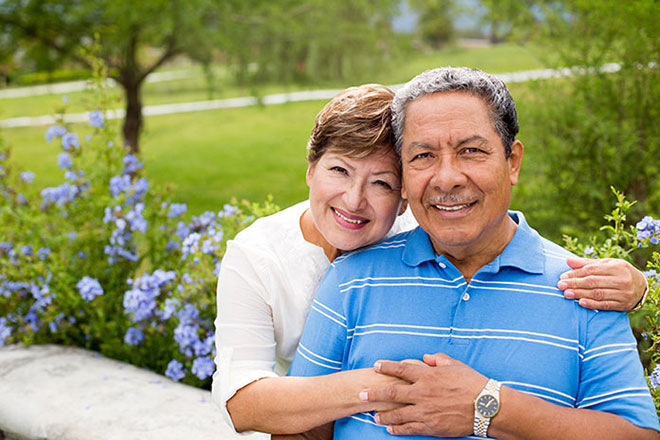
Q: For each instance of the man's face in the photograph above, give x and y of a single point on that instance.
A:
(455, 174)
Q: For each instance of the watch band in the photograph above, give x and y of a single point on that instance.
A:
(481, 422)
(642, 300)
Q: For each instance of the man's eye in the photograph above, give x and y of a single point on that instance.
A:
(472, 150)
(421, 156)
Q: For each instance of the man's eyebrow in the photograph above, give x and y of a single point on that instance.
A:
(421, 145)
(471, 139)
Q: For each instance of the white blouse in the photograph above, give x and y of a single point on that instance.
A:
(267, 281)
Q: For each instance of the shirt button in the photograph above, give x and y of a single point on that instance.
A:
(442, 265)
(466, 296)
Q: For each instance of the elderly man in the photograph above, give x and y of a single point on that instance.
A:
(476, 285)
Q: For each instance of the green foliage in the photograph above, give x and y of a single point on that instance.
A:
(600, 126)
(436, 21)
(104, 261)
(293, 41)
(59, 75)
(290, 41)
(618, 239)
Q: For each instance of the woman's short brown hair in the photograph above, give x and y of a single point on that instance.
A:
(356, 123)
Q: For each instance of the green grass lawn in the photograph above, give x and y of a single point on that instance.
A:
(495, 59)
(210, 157)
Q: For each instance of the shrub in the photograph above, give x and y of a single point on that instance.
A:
(106, 262)
(639, 242)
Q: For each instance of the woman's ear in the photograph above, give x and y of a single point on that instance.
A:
(404, 205)
(309, 173)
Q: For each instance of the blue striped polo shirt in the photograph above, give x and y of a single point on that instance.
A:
(398, 300)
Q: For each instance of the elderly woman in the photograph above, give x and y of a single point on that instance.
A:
(271, 270)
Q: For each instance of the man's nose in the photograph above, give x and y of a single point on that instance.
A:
(448, 174)
(355, 197)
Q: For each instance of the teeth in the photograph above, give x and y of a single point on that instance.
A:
(355, 222)
(451, 208)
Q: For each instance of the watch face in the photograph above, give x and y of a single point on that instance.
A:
(487, 405)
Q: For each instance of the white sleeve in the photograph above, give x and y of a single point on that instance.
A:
(244, 335)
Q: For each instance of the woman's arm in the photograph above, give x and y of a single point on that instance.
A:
(603, 284)
(287, 405)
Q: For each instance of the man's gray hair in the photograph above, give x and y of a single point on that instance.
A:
(451, 79)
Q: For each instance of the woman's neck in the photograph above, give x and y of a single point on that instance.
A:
(312, 235)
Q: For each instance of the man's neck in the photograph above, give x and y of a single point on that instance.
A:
(469, 259)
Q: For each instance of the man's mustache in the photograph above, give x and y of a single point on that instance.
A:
(451, 198)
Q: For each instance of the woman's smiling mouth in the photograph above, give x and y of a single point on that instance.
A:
(352, 220)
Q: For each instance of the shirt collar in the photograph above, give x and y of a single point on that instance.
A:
(522, 251)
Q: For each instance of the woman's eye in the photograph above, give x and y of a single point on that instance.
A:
(383, 184)
(339, 169)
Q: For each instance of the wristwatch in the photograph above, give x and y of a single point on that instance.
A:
(486, 406)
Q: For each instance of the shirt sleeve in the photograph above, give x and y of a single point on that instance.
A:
(323, 341)
(245, 341)
(611, 374)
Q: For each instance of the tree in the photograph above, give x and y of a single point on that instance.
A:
(135, 37)
(282, 39)
(436, 21)
(601, 126)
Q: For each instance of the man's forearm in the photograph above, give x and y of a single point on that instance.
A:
(527, 417)
(289, 405)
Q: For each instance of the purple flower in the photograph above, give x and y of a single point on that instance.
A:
(27, 250)
(27, 176)
(5, 331)
(175, 370)
(96, 118)
(133, 336)
(227, 210)
(59, 194)
(43, 253)
(209, 247)
(203, 367)
(176, 209)
(204, 347)
(131, 164)
(119, 184)
(655, 376)
(70, 140)
(169, 308)
(185, 334)
(140, 303)
(188, 312)
(64, 161)
(54, 131)
(190, 244)
(89, 288)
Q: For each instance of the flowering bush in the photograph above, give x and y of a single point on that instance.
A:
(107, 262)
(635, 243)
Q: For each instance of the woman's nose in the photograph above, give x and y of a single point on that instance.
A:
(355, 197)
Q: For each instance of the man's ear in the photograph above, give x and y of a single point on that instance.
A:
(402, 208)
(515, 160)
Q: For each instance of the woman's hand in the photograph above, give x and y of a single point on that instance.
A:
(603, 284)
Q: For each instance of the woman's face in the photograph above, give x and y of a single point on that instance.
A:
(354, 202)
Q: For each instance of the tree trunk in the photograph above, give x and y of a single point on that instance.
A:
(133, 119)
